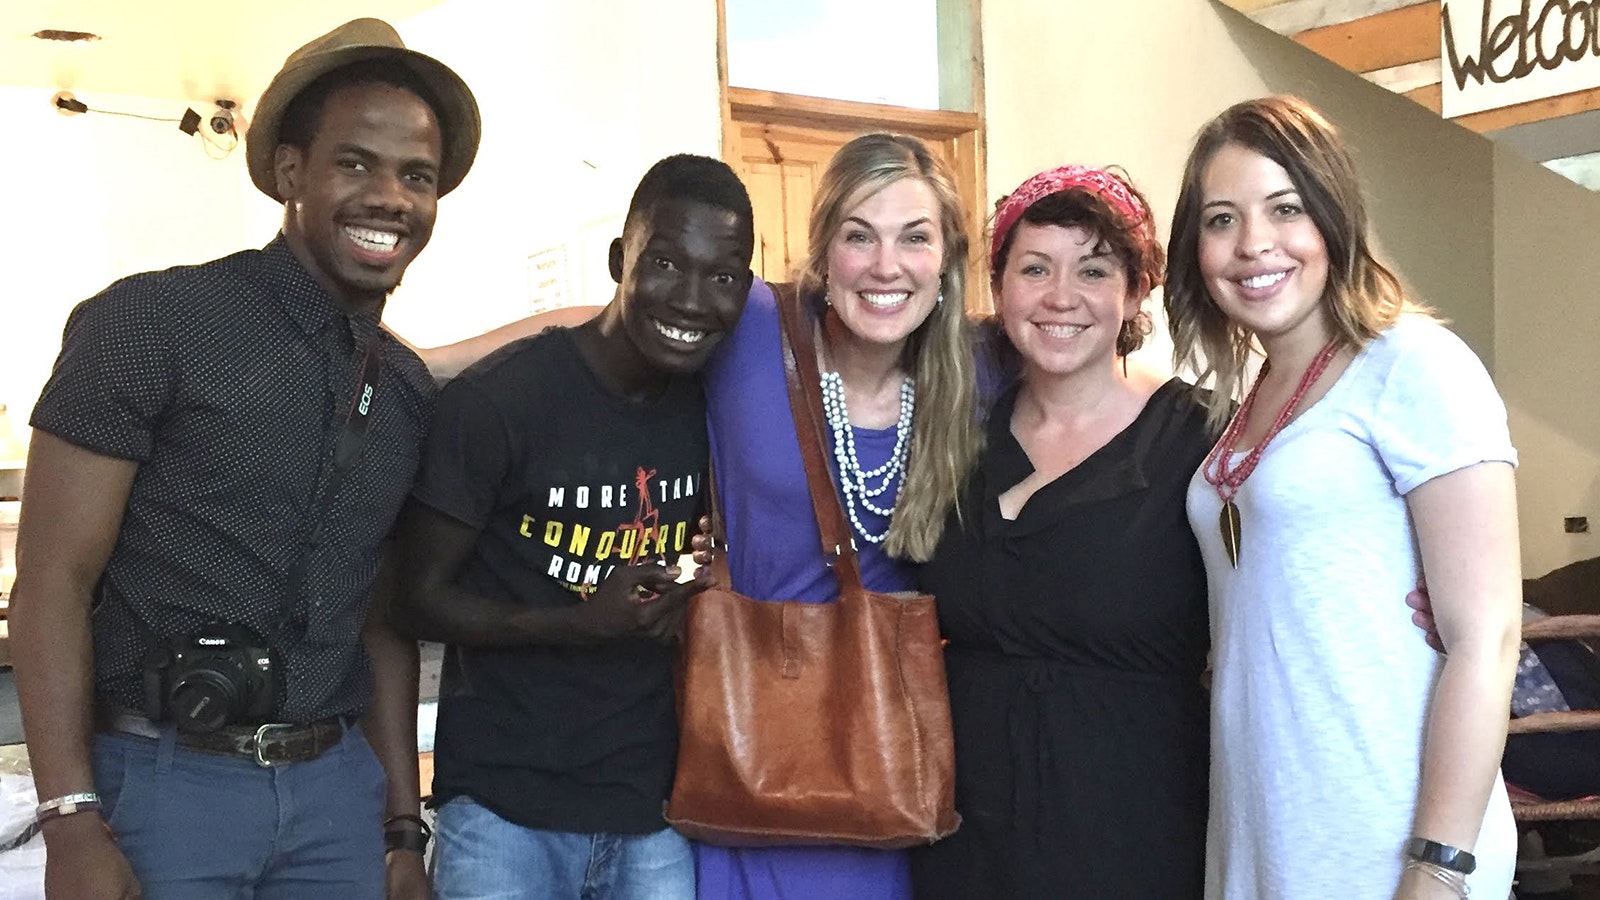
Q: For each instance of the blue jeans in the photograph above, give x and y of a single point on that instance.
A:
(480, 856)
(199, 826)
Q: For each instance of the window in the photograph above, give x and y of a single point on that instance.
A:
(869, 51)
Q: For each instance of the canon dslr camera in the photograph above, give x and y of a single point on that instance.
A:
(218, 676)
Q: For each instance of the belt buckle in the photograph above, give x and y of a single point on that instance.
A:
(261, 735)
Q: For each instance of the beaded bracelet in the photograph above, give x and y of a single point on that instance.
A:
(1448, 877)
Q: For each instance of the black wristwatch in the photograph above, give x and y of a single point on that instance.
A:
(1442, 855)
(415, 840)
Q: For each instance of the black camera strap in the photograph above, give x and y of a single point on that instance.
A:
(352, 438)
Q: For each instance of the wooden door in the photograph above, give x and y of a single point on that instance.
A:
(781, 166)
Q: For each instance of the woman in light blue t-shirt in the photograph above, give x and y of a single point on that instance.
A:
(1348, 760)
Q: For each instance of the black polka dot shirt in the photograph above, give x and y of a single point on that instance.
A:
(230, 383)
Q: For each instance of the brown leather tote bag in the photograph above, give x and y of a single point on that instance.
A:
(813, 723)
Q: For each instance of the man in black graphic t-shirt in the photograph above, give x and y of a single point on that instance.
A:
(559, 473)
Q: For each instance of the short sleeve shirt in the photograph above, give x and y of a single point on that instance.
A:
(230, 383)
(565, 481)
(1322, 686)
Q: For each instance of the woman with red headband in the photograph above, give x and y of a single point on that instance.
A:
(1071, 587)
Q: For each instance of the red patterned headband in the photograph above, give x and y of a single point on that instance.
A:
(1108, 187)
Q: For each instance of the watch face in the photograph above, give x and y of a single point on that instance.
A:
(1442, 855)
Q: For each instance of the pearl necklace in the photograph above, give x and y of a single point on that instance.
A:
(853, 481)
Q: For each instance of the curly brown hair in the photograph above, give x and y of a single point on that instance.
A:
(1131, 241)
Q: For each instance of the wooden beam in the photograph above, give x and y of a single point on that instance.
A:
(749, 104)
(961, 88)
(1248, 6)
(1294, 16)
(1532, 111)
(1427, 95)
(1405, 35)
(1517, 114)
(1575, 720)
(730, 143)
(1408, 77)
(960, 55)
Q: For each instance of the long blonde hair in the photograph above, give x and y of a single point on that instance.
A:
(945, 436)
(1362, 296)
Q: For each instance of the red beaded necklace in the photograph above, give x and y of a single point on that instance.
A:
(1227, 477)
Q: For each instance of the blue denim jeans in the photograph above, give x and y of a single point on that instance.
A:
(480, 856)
(199, 826)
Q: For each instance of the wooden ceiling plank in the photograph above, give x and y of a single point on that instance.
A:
(1404, 35)
(1408, 77)
(1519, 114)
(1428, 95)
(748, 104)
(1251, 7)
(1295, 16)
(1531, 111)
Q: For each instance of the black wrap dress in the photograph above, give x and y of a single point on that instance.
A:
(1077, 637)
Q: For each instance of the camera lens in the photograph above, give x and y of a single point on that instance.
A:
(204, 701)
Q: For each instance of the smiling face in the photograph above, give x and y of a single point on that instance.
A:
(360, 200)
(1261, 257)
(884, 262)
(1063, 298)
(684, 272)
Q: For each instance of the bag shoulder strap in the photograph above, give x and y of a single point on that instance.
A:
(805, 402)
(720, 573)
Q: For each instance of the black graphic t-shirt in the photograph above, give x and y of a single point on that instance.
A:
(567, 481)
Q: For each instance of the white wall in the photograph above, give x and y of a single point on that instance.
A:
(92, 198)
(1547, 342)
(616, 83)
(578, 100)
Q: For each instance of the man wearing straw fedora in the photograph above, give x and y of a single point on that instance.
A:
(219, 453)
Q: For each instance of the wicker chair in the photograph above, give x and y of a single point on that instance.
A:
(1572, 596)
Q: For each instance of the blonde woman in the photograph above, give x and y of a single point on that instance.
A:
(1348, 760)
(884, 283)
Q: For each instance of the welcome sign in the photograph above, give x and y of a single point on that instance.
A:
(1499, 52)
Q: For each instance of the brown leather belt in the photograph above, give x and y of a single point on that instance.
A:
(269, 745)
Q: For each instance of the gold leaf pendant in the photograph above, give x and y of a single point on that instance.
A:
(1229, 523)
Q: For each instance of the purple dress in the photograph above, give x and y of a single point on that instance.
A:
(775, 553)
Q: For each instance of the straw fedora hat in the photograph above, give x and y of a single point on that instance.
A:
(354, 41)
